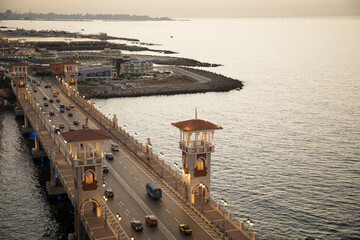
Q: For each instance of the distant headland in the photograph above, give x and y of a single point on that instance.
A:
(10, 15)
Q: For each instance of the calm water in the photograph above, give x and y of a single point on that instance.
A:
(288, 156)
(25, 209)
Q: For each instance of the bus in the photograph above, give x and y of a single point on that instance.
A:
(153, 190)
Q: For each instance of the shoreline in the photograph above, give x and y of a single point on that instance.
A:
(217, 83)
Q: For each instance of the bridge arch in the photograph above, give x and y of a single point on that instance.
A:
(95, 207)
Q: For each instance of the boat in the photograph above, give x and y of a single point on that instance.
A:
(47, 232)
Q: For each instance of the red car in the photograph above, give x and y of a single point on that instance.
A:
(151, 220)
(51, 112)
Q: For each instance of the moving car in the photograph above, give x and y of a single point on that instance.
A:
(151, 220)
(85, 127)
(51, 100)
(62, 106)
(61, 125)
(57, 100)
(46, 104)
(105, 169)
(71, 128)
(57, 130)
(70, 114)
(68, 108)
(62, 110)
(109, 156)
(76, 122)
(109, 193)
(51, 112)
(114, 147)
(72, 105)
(185, 229)
(45, 98)
(137, 226)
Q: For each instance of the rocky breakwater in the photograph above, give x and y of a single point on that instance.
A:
(183, 81)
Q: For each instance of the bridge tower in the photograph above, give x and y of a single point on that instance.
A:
(71, 76)
(20, 71)
(196, 144)
(87, 158)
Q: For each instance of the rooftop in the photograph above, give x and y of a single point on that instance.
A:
(196, 125)
(85, 135)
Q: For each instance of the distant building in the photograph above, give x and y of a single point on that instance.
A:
(57, 68)
(95, 72)
(132, 67)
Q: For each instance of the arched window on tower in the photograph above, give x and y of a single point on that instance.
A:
(200, 168)
(200, 165)
(89, 177)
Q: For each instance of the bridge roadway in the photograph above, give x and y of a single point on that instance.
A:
(127, 179)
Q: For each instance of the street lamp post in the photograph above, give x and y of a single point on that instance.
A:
(162, 163)
(105, 199)
(202, 186)
(250, 223)
(118, 218)
(223, 203)
(176, 167)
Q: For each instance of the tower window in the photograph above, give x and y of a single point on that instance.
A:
(200, 165)
(89, 178)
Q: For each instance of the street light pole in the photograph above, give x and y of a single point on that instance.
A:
(176, 166)
(202, 186)
(105, 199)
(118, 218)
(250, 223)
(223, 202)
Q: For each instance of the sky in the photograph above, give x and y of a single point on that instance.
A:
(189, 8)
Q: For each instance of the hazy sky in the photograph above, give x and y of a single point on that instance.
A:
(189, 8)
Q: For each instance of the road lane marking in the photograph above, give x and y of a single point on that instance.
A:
(130, 173)
(136, 178)
(125, 167)
(121, 203)
(142, 184)
(145, 208)
(177, 220)
(115, 195)
(168, 210)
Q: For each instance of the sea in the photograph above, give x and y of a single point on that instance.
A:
(288, 156)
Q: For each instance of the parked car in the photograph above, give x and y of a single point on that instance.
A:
(62, 106)
(109, 156)
(109, 193)
(151, 220)
(72, 105)
(76, 122)
(44, 98)
(137, 226)
(105, 169)
(185, 229)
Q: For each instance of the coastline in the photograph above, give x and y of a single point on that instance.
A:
(186, 85)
